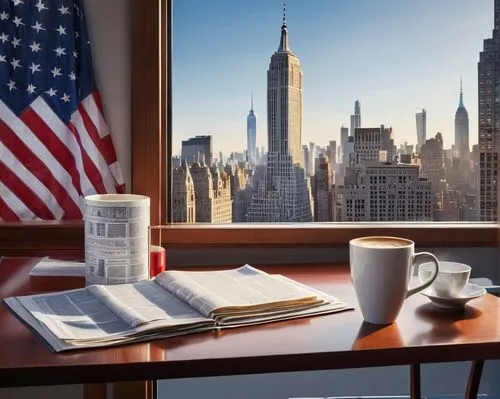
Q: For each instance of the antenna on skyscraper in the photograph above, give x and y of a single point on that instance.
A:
(284, 12)
(251, 101)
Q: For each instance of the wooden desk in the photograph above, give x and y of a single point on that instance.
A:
(422, 334)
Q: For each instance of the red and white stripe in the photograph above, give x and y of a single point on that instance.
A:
(47, 167)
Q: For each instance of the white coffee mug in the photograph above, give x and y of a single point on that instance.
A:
(381, 269)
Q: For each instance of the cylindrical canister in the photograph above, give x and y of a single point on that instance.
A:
(116, 238)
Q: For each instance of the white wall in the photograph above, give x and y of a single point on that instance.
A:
(109, 28)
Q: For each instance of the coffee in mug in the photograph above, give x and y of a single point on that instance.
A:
(381, 269)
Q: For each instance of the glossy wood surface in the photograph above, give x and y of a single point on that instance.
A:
(421, 334)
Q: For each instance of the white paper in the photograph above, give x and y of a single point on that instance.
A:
(116, 238)
(227, 290)
(56, 267)
(102, 314)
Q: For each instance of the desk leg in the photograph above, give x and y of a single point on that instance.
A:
(94, 391)
(476, 370)
(415, 392)
(134, 390)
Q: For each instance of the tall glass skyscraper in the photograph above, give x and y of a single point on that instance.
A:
(421, 118)
(285, 194)
(489, 123)
(355, 118)
(251, 135)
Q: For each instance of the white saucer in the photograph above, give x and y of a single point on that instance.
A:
(470, 291)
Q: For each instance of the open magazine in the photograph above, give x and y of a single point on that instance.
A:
(173, 303)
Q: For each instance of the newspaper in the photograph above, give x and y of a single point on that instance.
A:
(227, 292)
(105, 313)
(116, 238)
(173, 303)
(58, 267)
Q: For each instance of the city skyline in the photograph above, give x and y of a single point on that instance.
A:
(342, 61)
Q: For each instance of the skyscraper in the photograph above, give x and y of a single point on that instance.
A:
(383, 192)
(421, 118)
(489, 122)
(432, 157)
(197, 149)
(251, 135)
(344, 134)
(355, 118)
(285, 195)
(184, 205)
(374, 144)
(212, 192)
(462, 135)
(323, 190)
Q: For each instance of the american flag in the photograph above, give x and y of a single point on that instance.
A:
(55, 147)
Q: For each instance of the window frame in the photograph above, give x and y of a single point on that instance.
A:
(151, 141)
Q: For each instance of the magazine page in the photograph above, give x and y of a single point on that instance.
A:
(232, 291)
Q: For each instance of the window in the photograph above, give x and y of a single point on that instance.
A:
(151, 114)
(329, 47)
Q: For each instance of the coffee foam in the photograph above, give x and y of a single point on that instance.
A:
(381, 242)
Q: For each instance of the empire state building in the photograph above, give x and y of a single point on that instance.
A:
(462, 135)
(285, 193)
(284, 101)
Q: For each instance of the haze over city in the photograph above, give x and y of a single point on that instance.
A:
(394, 56)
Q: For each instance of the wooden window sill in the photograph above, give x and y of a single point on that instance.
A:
(40, 238)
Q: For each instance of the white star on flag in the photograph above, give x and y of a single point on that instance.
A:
(61, 30)
(15, 63)
(4, 15)
(65, 98)
(35, 47)
(63, 10)
(3, 58)
(4, 37)
(11, 85)
(35, 67)
(17, 2)
(40, 6)
(55, 72)
(72, 76)
(75, 54)
(60, 51)
(38, 27)
(18, 21)
(51, 92)
(16, 42)
(31, 88)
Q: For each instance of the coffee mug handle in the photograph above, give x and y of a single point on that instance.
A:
(431, 280)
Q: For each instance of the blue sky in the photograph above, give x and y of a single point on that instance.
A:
(395, 56)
